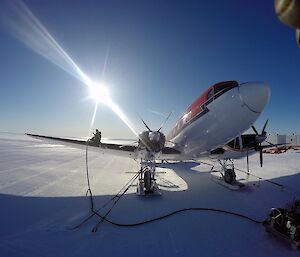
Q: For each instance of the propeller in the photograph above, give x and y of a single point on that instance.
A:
(154, 140)
(259, 139)
(162, 125)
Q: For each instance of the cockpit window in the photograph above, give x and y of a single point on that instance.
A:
(210, 96)
(220, 89)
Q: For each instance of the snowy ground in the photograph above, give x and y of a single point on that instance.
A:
(42, 196)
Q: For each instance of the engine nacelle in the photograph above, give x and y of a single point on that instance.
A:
(153, 141)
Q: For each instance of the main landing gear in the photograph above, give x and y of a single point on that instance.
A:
(147, 183)
(228, 176)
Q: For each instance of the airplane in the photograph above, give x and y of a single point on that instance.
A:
(209, 127)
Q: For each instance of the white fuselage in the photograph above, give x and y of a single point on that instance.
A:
(228, 116)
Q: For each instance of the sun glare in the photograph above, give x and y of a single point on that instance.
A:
(26, 27)
(99, 92)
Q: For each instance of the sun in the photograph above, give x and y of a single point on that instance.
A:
(99, 92)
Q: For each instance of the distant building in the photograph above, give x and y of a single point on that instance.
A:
(293, 140)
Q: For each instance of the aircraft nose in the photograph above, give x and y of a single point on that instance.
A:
(255, 95)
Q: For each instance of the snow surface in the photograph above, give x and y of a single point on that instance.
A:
(42, 196)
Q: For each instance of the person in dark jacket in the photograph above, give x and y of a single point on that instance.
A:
(96, 139)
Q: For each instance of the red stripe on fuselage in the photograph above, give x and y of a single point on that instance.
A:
(196, 108)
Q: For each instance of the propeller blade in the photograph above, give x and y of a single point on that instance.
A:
(263, 130)
(254, 129)
(144, 123)
(270, 143)
(247, 160)
(165, 121)
(146, 126)
(261, 157)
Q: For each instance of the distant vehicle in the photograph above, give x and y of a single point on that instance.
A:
(279, 149)
(212, 126)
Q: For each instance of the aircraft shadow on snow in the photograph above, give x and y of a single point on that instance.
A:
(19, 212)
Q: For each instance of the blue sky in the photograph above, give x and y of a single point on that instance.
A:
(161, 55)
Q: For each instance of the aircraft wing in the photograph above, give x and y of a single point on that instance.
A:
(114, 149)
(109, 148)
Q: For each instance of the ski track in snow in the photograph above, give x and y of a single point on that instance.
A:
(42, 196)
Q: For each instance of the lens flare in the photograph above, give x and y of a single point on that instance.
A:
(26, 27)
(93, 119)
